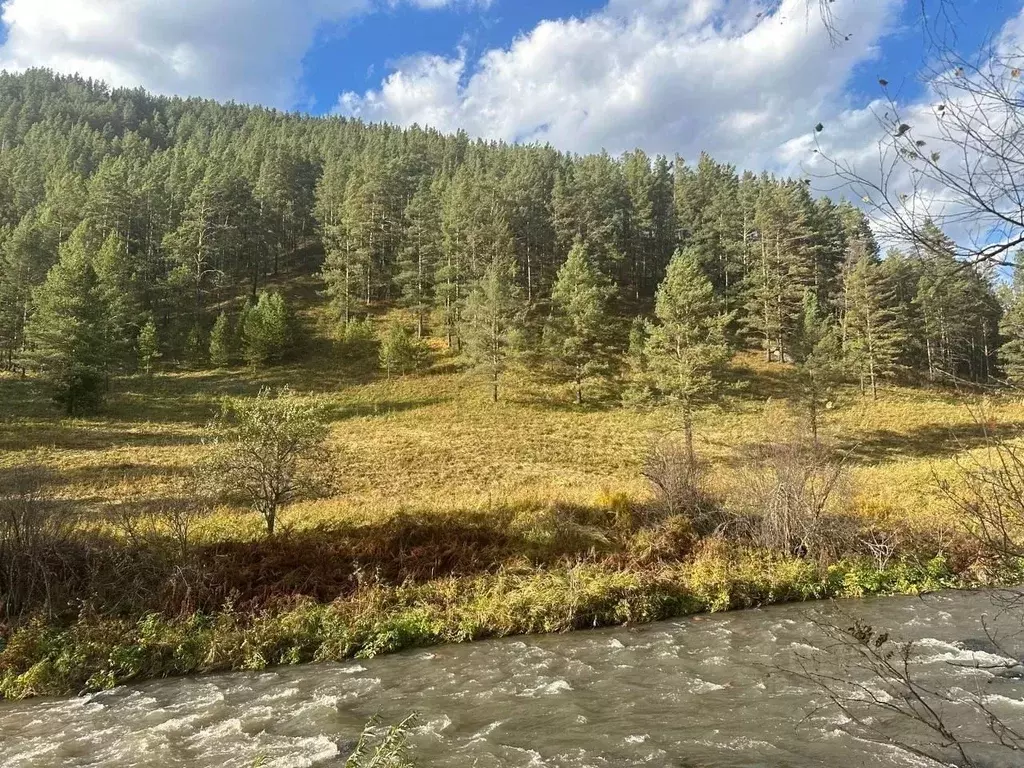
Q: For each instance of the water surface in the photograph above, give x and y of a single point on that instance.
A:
(701, 691)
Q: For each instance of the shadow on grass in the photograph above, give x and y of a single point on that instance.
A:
(324, 563)
(932, 441)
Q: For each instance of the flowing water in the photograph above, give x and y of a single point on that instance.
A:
(701, 691)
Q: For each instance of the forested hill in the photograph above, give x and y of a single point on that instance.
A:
(160, 212)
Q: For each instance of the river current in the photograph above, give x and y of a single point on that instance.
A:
(702, 691)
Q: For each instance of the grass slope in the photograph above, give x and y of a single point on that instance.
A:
(455, 518)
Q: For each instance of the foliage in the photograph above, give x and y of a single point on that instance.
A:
(400, 352)
(271, 451)
(493, 321)
(66, 340)
(266, 333)
(221, 352)
(387, 750)
(576, 335)
(686, 349)
(148, 347)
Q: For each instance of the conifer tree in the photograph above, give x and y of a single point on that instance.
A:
(115, 272)
(220, 342)
(819, 357)
(1011, 353)
(66, 335)
(873, 335)
(148, 346)
(266, 332)
(686, 345)
(494, 320)
(400, 352)
(196, 347)
(420, 253)
(576, 333)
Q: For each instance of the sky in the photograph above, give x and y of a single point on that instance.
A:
(746, 80)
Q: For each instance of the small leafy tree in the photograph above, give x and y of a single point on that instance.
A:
(493, 320)
(575, 336)
(220, 342)
(271, 451)
(266, 334)
(149, 347)
(686, 347)
(400, 351)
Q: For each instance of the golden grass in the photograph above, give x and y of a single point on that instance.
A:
(435, 442)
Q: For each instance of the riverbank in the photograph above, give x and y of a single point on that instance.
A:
(664, 693)
(96, 653)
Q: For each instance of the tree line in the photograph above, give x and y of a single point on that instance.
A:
(135, 228)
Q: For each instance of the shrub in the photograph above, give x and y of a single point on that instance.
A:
(793, 502)
(679, 484)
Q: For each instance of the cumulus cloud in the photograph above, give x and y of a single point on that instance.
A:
(247, 50)
(737, 78)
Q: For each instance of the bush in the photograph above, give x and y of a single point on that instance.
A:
(34, 554)
(680, 487)
(792, 503)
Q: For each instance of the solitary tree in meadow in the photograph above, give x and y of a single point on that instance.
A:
(685, 347)
(270, 451)
(576, 333)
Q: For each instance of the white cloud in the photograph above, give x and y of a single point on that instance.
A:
(247, 50)
(729, 76)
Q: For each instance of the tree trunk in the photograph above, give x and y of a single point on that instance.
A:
(691, 455)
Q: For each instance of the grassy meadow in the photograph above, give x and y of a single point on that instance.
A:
(453, 518)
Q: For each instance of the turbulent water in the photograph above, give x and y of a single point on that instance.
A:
(703, 691)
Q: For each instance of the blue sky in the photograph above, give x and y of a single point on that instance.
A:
(354, 55)
(744, 79)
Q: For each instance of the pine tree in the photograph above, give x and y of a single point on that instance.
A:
(265, 336)
(196, 347)
(819, 355)
(66, 335)
(418, 260)
(221, 351)
(1011, 353)
(576, 333)
(494, 319)
(148, 347)
(119, 290)
(400, 352)
(686, 345)
(873, 335)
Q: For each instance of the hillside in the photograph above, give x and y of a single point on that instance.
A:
(539, 391)
(455, 517)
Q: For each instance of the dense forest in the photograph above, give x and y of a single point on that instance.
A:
(135, 228)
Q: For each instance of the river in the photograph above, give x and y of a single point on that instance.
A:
(701, 691)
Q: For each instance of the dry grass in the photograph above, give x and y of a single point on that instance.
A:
(434, 443)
